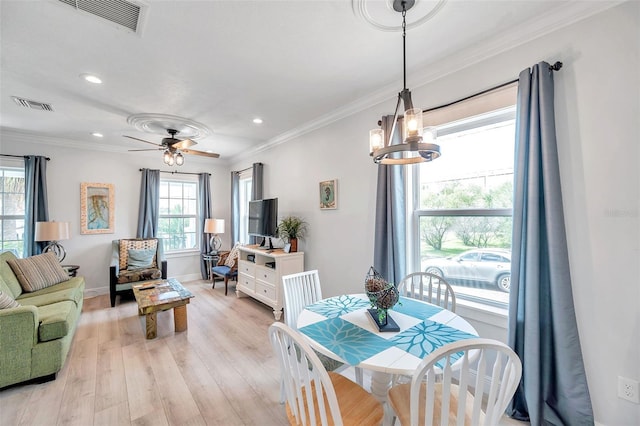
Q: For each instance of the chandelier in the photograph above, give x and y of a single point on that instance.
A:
(170, 158)
(417, 145)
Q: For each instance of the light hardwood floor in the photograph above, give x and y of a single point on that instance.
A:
(220, 371)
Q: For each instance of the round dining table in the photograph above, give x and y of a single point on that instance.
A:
(341, 328)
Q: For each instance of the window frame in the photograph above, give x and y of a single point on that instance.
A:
(198, 232)
(245, 186)
(414, 215)
(13, 166)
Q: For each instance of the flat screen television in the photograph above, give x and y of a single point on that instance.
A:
(263, 218)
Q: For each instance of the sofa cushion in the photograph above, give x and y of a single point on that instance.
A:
(38, 272)
(7, 301)
(70, 290)
(126, 245)
(140, 258)
(7, 275)
(139, 275)
(56, 320)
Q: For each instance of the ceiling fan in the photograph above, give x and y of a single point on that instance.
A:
(174, 148)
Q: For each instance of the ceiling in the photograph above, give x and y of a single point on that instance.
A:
(296, 64)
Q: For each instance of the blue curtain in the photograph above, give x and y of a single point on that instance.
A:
(149, 209)
(256, 187)
(542, 323)
(389, 253)
(36, 207)
(235, 207)
(204, 207)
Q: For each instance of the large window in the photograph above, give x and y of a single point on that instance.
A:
(12, 209)
(463, 207)
(178, 224)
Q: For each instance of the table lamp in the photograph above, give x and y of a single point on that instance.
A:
(53, 232)
(214, 227)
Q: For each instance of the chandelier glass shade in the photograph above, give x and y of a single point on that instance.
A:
(416, 145)
(172, 158)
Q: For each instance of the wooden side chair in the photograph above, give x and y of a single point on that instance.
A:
(466, 371)
(430, 288)
(313, 395)
(226, 268)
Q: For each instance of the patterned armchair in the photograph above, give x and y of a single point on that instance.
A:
(134, 261)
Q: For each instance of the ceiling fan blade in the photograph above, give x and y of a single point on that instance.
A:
(150, 149)
(141, 140)
(200, 153)
(183, 144)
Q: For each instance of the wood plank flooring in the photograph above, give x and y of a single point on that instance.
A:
(220, 371)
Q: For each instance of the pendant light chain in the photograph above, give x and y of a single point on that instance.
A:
(404, 44)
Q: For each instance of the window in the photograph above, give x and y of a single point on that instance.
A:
(12, 212)
(245, 188)
(178, 222)
(462, 218)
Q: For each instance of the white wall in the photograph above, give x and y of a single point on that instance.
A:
(597, 111)
(69, 167)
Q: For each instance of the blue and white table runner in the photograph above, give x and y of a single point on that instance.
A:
(341, 326)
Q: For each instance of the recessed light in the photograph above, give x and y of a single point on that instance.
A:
(209, 151)
(97, 134)
(257, 120)
(91, 78)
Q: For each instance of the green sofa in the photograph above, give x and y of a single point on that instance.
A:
(35, 337)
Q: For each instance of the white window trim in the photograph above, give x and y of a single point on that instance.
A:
(170, 254)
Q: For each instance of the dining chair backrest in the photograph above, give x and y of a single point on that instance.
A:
(429, 288)
(449, 385)
(300, 367)
(300, 290)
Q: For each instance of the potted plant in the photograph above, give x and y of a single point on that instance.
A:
(290, 229)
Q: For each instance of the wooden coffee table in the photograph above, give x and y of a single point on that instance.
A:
(162, 295)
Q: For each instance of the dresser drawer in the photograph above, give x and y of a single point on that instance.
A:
(246, 267)
(266, 290)
(265, 274)
(246, 281)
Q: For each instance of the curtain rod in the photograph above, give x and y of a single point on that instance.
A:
(21, 156)
(244, 170)
(178, 173)
(555, 67)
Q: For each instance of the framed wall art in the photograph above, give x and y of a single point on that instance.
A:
(329, 194)
(97, 208)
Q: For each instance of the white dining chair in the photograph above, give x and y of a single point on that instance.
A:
(430, 288)
(467, 371)
(300, 290)
(313, 395)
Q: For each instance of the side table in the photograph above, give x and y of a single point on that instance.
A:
(211, 259)
(72, 270)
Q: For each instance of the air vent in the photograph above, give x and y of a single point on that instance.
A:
(120, 12)
(32, 104)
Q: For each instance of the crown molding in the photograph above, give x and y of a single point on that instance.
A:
(566, 14)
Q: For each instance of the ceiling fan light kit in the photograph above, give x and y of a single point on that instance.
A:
(417, 146)
(173, 149)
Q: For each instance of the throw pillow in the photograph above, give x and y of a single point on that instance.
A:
(138, 244)
(233, 255)
(38, 272)
(140, 258)
(7, 301)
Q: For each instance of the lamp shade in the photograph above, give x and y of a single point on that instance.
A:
(52, 231)
(214, 226)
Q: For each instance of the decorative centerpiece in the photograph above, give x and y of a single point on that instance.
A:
(290, 229)
(383, 296)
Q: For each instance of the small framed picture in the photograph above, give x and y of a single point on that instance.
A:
(329, 194)
(287, 248)
(97, 208)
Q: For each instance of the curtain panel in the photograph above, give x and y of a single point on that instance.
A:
(389, 254)
(542, 324)
(36, 203)
(204, 213)
(256, 188)
(149, 207)
(235, 207)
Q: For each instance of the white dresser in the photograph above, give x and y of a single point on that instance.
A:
(260, 274)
